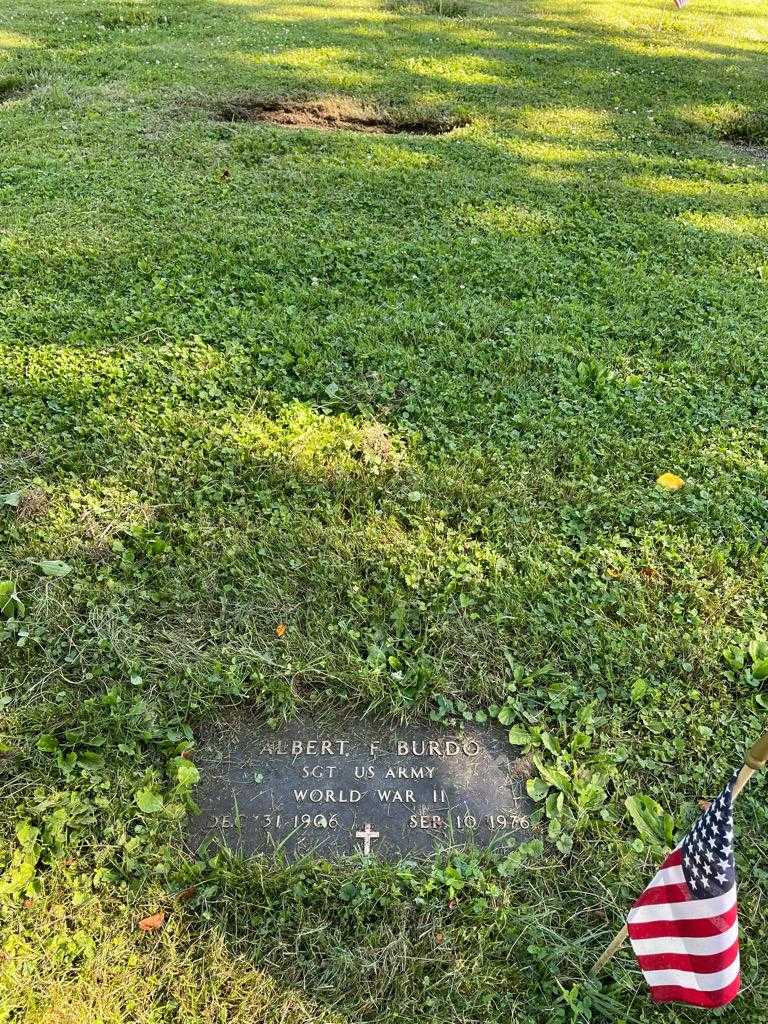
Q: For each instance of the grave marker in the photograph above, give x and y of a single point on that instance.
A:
(335, 788)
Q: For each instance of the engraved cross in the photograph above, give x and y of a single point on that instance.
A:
(367, 834)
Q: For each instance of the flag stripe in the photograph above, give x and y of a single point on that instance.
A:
(668, 876)
(678, 993)
(709, 982)
(663, 894)
(691, 910)
(684, 929)
(692, 945)
(675, 858)
(696, 964)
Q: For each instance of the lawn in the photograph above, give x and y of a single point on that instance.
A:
(407, 395)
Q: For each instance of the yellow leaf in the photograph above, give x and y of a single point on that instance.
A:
(280, 630)
(670, 482)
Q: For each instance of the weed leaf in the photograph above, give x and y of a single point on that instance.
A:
(54, 567)
(149, 802)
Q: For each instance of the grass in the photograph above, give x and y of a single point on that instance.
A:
(408, 395)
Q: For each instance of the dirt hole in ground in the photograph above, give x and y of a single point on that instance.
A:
(335, 114)
(11, 87)
(747, 149)
(749, 134)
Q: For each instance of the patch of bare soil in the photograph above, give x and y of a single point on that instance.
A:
(33, 505)
(98, 554)
(748, 149)
(748, 134)
(334, 115)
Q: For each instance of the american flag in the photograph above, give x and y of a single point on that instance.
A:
(684, 928)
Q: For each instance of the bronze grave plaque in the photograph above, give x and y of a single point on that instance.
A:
(334, 788)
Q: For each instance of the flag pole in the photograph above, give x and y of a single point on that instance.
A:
(757, 758)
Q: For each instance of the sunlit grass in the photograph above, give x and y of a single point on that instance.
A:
(10, 41)
(312, 441)
(745, 226)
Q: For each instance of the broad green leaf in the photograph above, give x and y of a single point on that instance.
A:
(760, 669)
(650, 819)
(26, 833)
(48, 744)
(581, 741)
(519, 736)
(11, 606)
(7, 603)
(506, 715)
(149, 802)
(592, 796)
(54, 567)
(537, 789)
(734, 658)
(554, 805)
(565, 843)
(13, 499)
(758, 649)
(550, 743)
(90, 759)
(555, 777)
(187, 774)
(653, 722)
(17, 878)
(639, 689)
